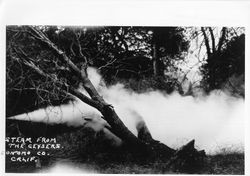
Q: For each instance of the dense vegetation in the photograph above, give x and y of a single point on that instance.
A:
(45, 65)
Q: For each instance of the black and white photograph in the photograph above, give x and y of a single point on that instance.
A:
(124, 99)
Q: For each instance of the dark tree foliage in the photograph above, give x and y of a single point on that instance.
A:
(221, 65)
(235, 52)
(120, 54)
(171, 40)
(168, 44)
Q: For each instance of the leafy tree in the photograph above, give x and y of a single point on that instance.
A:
(225, 59)
(168, 44)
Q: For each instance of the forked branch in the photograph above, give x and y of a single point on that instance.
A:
(82, 74)
(66, 88)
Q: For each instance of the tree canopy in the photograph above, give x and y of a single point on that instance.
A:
(225, 59)
(141, 57)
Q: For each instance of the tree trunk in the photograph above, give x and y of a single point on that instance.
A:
(157, 64)
(120, 130)
(159, 151)
(186, 159)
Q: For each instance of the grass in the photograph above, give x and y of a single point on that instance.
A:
(226, 164)
(86, 149)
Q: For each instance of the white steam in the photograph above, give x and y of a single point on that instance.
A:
(214, 121)
(67, 167)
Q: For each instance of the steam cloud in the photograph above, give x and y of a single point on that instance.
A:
(67, 167)
(215, 121)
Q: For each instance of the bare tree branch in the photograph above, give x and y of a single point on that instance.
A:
(107, 64)
(80, 50)
(66, 89)
(82, 74)
(206, 41)
(212, 38)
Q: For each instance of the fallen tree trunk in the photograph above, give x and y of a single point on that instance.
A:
(160, 150)
(186, 159)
